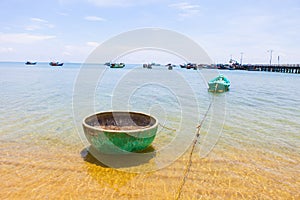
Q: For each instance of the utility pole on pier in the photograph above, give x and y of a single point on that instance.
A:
(271, 52)
(241, 61)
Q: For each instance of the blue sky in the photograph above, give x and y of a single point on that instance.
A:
(69, 30)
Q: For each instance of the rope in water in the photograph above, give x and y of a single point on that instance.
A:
(171, 129)
(189, 164)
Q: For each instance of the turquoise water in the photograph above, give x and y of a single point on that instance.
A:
(261, 111)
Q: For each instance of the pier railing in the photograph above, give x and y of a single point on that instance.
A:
(283, 68)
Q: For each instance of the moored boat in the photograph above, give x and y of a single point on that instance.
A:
(170, 66)
(56, 64)
(148, 66)
(189, 66)
(30, 63)
(117, 65)
(219, 84)
(183, 65)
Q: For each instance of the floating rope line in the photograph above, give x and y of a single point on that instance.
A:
(189, 163)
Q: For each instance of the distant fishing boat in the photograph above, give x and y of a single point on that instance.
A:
(219, 84)
(148, 66)
(56, 64)
(30, 63)
(117, 65)
(183, 66)
(189, 66)
(170, 66)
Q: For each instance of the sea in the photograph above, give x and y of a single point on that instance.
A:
(241, 144)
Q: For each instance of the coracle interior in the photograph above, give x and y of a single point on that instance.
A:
(121, 121)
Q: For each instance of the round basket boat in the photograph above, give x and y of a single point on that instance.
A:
(120, 131)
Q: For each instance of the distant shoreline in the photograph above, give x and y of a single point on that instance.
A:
(280, 68)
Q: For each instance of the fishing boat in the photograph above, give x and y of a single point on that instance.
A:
(30, 63)
(170, 66)
(117, 65)
(183, 65)
(219, 84)
(147, 66)
(189, 66)
(56, 64)
(192, 66)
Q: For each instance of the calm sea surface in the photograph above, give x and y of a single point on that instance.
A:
(249, 145)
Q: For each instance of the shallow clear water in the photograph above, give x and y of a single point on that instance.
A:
(256, 155)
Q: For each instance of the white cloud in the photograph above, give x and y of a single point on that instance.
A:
(94, 18)
(186, 9)
(23, 38)
(92, 44)
(37, 24)
(32, 27)
(38, 20)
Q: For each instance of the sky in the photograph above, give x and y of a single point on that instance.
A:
(69, 30)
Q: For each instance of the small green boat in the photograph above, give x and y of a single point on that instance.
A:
(219, 84)
(117, 65)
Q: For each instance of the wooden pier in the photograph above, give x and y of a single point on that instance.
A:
(287, 68)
